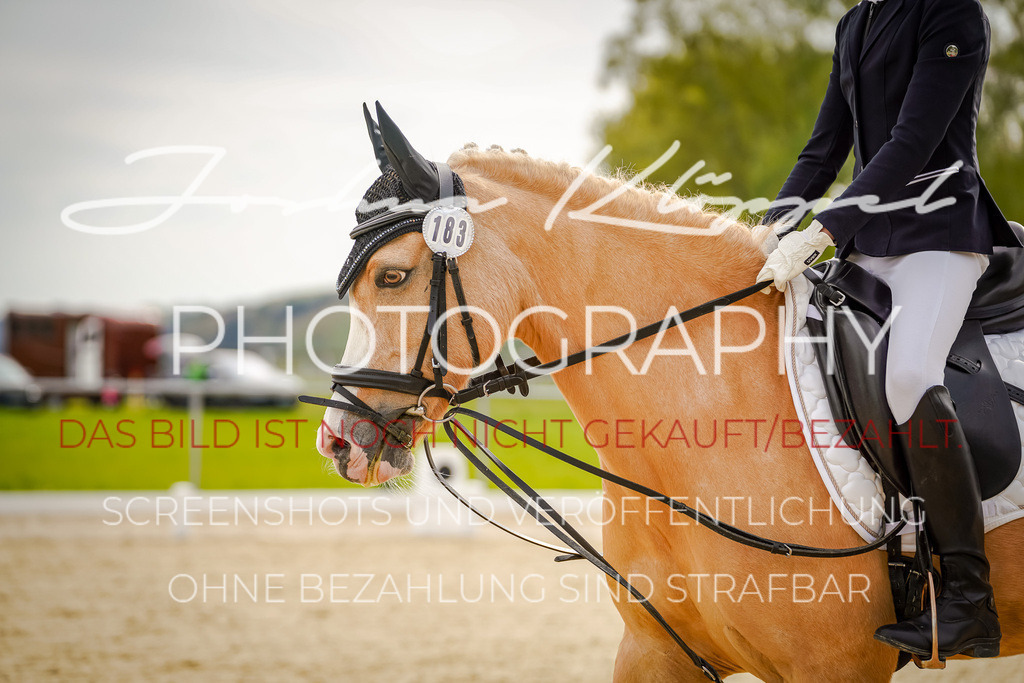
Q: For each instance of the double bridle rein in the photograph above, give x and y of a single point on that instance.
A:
(511, 379)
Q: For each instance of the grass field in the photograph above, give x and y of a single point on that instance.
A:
(136, 447)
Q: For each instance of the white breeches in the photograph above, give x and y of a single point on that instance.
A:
(931, 291)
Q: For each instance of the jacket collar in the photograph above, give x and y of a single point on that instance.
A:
(885, 14)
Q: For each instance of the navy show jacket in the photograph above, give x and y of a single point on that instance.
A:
(905, 98)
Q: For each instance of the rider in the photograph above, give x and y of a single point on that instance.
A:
(904, 94)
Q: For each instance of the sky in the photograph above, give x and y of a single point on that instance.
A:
(266, 97)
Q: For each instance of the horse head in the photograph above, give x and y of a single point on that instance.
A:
(377, 417)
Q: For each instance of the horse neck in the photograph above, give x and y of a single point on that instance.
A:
(580, 264)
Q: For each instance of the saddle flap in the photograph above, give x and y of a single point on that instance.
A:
(983, 408)
(998, 300)
(854, 379)
(857, 396)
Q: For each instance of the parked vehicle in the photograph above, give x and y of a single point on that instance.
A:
(17, 387)
(228, 381)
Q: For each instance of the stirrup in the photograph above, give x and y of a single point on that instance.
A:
(935, 662)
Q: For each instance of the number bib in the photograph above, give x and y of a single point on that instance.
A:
(448, 230)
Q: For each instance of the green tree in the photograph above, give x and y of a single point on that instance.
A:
(739, 84)
(1001, 129)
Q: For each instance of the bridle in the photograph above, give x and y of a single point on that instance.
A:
(401, 220)
(435, 333)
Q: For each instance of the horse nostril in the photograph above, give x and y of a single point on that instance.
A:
(339, 446)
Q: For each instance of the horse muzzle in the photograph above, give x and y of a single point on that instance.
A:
(363, 453)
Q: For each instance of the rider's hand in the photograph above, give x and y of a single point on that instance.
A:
(796, 252)
(774, 233)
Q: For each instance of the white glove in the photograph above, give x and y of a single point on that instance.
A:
(770, 241)
(796, 252)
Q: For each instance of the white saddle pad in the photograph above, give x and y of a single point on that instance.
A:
(855, 488)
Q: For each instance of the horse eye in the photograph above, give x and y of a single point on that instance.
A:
(391, 278)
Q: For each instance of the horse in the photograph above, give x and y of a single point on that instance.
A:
(538, 244)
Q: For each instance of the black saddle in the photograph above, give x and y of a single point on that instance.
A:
(998, 301)
(982, 399)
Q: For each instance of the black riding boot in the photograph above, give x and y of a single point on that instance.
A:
(943, 475)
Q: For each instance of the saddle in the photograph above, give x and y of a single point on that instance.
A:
(857, 394)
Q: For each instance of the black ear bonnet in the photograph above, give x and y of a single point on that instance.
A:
(399, 199)
(369, 237)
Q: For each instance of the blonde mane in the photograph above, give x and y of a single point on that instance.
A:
(551, 179)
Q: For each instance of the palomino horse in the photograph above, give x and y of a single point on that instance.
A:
(779, 618)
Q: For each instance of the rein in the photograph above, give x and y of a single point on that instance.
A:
(509, 379)
(504, 379)
(719, 527)
(527, 498)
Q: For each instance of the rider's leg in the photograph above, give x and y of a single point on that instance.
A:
(931, 293)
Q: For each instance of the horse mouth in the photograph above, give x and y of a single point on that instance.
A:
(367, 463)
(376, 467)
(384, 469)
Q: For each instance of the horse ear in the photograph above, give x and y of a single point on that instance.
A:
(375, 139)
(419, 176)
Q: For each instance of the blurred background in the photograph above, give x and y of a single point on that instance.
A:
(252, 110)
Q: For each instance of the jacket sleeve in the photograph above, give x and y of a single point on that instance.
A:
(823, 155)
(936, 91)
